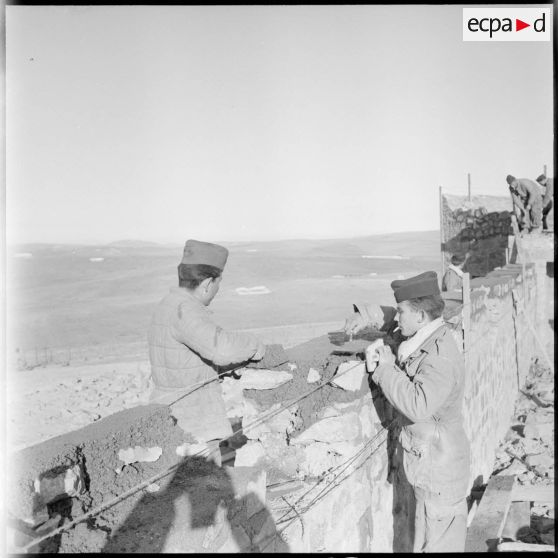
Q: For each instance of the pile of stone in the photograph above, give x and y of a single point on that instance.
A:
(480, 227)
(528, 450)
(479, 223)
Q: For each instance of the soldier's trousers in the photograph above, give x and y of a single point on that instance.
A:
(440, 524)
(534, 216)
(545, 212)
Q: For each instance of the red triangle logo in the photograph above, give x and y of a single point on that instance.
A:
(519, 25)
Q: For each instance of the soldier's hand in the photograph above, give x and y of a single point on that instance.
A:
(385, 356)
(354, 323)
(371, 354)
(260, 352)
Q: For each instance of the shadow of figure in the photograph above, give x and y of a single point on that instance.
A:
(197, 511)
(403, 507)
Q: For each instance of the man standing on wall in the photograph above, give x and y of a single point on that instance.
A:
(527, 197)
(425, 383)
(186, 347)
(548, 197)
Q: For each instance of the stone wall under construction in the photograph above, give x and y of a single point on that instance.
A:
(320, 469)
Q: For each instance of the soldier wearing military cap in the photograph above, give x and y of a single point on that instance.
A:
(425, 384)
(186, 347)
(527, 198)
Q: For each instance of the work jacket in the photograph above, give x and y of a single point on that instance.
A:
(427, 390)
(185, 349)
(529, 191)
(452, 279)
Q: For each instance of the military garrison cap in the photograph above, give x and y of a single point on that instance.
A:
(541, 177)
(197, 252)
(425, 284)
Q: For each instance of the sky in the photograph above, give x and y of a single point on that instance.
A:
(163, 123)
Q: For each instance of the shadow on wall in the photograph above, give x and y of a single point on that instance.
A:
(486, 253)
(197, 512)
(472, 228)
(403, 507)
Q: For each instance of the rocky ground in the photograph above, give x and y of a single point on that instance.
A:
(53, 400)
(528, 449)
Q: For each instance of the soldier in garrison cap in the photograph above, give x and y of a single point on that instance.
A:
(186, 347)
(548, 197)
(425, 384)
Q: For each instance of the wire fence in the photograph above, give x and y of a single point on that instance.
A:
(28, 359)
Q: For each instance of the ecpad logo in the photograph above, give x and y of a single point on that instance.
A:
(507, 24)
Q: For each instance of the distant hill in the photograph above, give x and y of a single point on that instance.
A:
(81, 295)
(131, 243)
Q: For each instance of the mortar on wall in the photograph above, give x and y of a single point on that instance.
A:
(327, 452)
(334, 476)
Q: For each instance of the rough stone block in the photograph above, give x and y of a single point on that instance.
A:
(542, 430)
(264, 379)
(251, 412)
(318, 459)
(333, 429)
(285, 421)
(53, 486)
(139, 454)
(313, 376)
(541, 461)
(249, 486)
(233, 395)
(350, 375)
(250, 454)
(367, 415)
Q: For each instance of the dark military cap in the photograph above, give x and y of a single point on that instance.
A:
(425, 284)
(197, 252)
(541, 177)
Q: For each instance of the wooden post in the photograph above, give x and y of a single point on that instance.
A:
(466, 313)
(469, 185)
(442, 251)
(486, 528)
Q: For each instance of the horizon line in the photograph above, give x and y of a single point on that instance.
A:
(171, 242)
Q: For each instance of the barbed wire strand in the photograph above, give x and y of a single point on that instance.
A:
(300, 513)
(198, 385)
(169, 470)
(347, 462)
(290, 521)
(332, 486)
(344, 464)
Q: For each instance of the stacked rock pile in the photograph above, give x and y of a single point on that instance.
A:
(528, 450)
(480, 227)
(478, 223)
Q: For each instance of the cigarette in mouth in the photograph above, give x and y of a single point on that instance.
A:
(396, 329)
